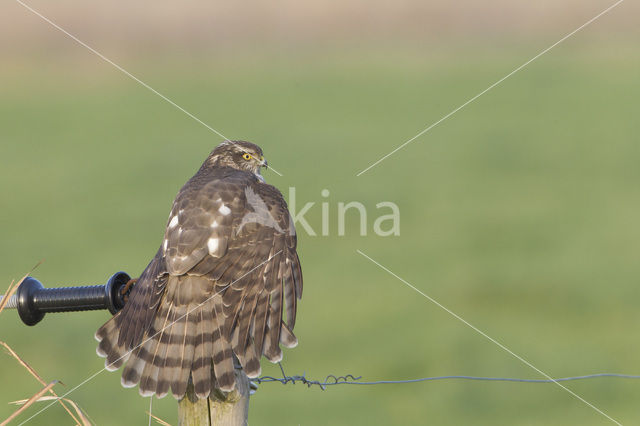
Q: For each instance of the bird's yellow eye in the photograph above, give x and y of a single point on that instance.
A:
(246, 156)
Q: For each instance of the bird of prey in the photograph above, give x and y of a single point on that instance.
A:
(223, 284)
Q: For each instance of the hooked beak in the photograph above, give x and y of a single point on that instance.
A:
(264, 163)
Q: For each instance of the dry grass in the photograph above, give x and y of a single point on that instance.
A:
(28, 402)
(79, 417)
(84, 420)
(10, 292)
(158, 419)
(13, 288)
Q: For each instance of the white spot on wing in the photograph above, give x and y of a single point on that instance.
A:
(224, 210)
(212, 245)
(165, 244)
(173, 222)
(214, 224)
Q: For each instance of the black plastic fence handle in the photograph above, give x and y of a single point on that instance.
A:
(32, 300)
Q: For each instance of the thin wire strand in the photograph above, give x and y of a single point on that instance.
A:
(489, 88)
(274, 171)
(150, 408)
(476, 329)
(125, 72)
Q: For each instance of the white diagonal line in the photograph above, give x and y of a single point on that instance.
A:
(275, 171)
(150, 407)
(127, 73)
(124, 71)
(489, 338)
(491, 87)
(88, 379)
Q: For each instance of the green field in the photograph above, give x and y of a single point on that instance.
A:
(519, 213)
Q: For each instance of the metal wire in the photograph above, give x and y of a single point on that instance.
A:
(349, 379)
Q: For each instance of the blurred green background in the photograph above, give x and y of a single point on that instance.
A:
(519, 213)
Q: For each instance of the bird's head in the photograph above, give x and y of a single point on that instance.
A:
(239, 155)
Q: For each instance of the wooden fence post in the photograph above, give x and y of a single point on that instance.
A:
(220, 409)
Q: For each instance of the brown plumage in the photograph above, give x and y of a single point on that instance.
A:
(225, 274)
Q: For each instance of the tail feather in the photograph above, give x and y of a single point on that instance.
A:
(139, 313)
(133, 368)
(222, 354)
(184, 353)
(174, 327)
(260, 322)
(271, 348)
(150, 353)
(289, 294)
(251, 361)
(157, 347)
(287, 338)
(232, 300)
(247, 357)
(272, 337)
(116, 355)
(272, 354)
(243, 344)
(244, 323)
(201, 370)
(297, 274)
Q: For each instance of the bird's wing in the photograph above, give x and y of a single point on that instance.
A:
(200, 222)
(217, 287)
(258, 275)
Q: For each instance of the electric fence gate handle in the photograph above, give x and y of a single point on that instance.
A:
(32, 300)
